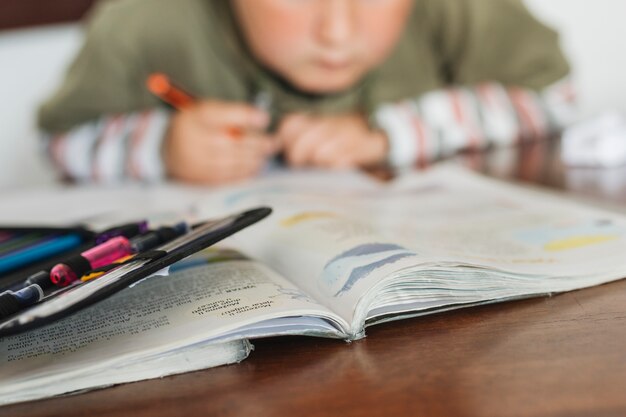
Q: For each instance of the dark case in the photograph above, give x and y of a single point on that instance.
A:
(69, 301)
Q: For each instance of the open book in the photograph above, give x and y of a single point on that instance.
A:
(340, 253)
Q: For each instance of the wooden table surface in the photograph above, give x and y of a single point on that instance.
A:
(558, 356)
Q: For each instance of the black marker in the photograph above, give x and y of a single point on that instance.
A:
(157, 237)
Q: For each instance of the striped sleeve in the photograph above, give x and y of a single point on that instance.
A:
(112, 149)
(444, 122)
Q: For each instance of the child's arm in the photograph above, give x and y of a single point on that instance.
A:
(434, 126)
(112, 148)
(509, 62)
(442, 123)
(102, 123)
(191, 145)
(516, 78)
(91, 125)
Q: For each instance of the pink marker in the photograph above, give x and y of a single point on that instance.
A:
(72, 269)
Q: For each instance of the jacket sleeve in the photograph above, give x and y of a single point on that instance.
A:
(112, 149)
(442, 123)
(508, 83)
(102, 125)
(103, 78)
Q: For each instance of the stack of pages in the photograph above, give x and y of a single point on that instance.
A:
(340, 253)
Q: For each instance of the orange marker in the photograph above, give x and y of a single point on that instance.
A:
(161, 86)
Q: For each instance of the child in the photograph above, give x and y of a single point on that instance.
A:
(354, 83)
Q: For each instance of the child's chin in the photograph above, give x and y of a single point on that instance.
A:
(326, 86)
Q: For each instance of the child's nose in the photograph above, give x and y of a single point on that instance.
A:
(336, 25)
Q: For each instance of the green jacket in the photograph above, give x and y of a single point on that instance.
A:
(196, 42)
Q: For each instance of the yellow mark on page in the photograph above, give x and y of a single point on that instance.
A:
(304, 217)
(576, 242)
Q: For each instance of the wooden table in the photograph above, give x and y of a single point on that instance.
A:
(559, 356)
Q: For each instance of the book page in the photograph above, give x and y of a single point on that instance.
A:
(187, 359)
(340, 243)
(201, 300)
(457, 216)
(314, 239)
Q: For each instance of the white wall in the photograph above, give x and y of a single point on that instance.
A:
(32, 62)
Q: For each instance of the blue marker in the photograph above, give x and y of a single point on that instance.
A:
(14, 302)
(39, 251)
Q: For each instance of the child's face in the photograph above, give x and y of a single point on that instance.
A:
(322, 46)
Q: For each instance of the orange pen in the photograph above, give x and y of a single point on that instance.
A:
(161, 86)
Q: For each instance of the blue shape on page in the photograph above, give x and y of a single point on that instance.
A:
(361, 272)
(357, 263)
(367, 249)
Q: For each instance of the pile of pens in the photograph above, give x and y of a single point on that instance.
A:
(79, 263)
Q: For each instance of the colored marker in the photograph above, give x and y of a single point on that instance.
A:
(72, 269)
(19, 242)
(93, 275)
(145, 242)
(41, 278)
(151, 240)
(161, 86)
(127, 230)
(12, 302)
(38, 251)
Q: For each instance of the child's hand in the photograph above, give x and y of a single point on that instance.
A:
(338, 142)
(201, 148)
